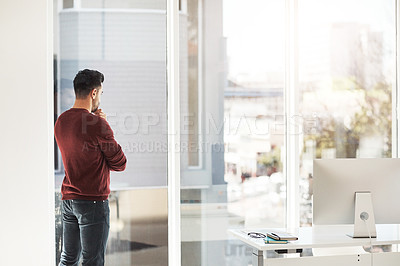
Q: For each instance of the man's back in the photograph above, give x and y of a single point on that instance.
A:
(89, 151)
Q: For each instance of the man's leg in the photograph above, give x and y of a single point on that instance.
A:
(94, 224)
(71, 248)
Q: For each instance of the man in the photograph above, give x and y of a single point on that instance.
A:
(89, 151)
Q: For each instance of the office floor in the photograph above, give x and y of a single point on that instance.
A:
(139, 244)
(130, 243)
(144, 242)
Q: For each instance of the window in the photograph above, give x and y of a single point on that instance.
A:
(330, 76)
(347, 68)
(246, 78)
(232, 91)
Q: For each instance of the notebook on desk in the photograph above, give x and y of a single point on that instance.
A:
(269, 240)
(280, 235)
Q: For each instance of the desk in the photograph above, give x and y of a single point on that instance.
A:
(324, 238)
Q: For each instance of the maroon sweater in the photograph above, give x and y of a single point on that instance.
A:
(89, 151)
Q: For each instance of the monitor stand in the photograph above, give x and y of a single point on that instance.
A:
(364, 220)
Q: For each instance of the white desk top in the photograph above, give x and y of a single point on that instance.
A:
(321, 237)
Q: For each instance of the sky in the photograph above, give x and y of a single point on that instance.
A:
(255, 29)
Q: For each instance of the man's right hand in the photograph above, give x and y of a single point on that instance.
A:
(100, 113)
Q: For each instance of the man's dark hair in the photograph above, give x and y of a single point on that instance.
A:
(85, 81)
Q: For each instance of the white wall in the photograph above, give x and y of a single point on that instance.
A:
(26, 134)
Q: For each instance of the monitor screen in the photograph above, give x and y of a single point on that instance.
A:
(337, 180)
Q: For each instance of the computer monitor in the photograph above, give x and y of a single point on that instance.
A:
(376, 181)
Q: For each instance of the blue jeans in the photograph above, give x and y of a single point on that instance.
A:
(86, 224)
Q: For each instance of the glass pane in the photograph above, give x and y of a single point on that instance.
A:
(68, 3)
(232, 105)
(347, 74)
(128, 45)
